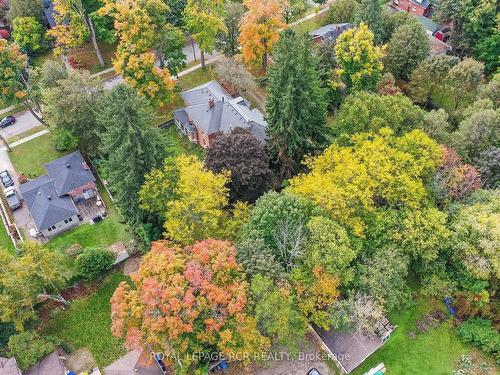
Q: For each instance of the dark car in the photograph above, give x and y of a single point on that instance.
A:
(6, 179)
(313, 371)
(9, 120)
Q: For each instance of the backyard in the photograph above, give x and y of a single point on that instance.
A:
(87, 323)
(5, 242)
(433, 353)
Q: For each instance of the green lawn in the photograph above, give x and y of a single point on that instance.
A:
(5, 241)
(311, 24)
(87, 323)
(29, 158)
(432, 353)
(179, 144)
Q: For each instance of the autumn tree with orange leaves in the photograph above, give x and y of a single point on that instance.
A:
(137, 24)
(259, 30)
(186, 301)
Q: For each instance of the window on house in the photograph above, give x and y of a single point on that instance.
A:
(53, 227)
(49, 229)
(70, 219)
(66, 221)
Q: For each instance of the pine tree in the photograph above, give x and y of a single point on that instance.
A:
(370, 12)
(296, 103)
(132, 145)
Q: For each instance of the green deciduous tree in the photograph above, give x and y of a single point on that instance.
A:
(246, 158)
(70, 109)
(276, 313)
(383, 276)
(342, 11)
(25, 8)
(408, 46)
(477, 133)
(275, 212)
(464, 80)
(329, 246)
(359, 60)
(292, 9)
(131, 144)
(258, 259)
(17, 79)
(294, 130)
(175, 14)
(429, 78)
(29, 34)
(476, 236)
(37, 273)
(204, 22)
(228, 41)
(168, 48)
(29, 347)
(366, 111)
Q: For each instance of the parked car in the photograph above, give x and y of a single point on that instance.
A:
(313, 371)
(7, 121)
(13, 198)
(6, 179)
(443, 34)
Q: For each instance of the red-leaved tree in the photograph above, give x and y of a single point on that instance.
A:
(186, 301)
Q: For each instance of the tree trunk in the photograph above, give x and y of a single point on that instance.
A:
(57, 298)
(203, 65)
(7, 146)
(64, 59)
(94, 41)
(264, 61)
(194, 49)
(33, 112)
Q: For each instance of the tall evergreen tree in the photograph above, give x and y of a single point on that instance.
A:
(133, 147)
(296, 104)
(370, 12)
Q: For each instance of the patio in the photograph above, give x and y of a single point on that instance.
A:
(91, 208)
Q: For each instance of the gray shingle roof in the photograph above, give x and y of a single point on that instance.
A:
(46, 207)
(8, 366)
(349, 348)
(129, 365)
(331, 31)
(50, 365)
(227, 113)
(69, 173)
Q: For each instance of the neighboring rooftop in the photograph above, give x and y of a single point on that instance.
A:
(50, 365)
(212, 109)
(330, 32)
(422, 3)
(129, 365)
(8, 366)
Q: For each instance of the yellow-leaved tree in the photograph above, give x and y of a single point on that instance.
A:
(359, 60)
(192, 200)
(259, 30)
(137, 23)
(376, 169)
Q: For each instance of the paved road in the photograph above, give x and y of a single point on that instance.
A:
(26, 121)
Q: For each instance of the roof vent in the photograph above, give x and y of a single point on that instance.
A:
(85, 165)
(211, 102)
(67, 165)
(49, 197)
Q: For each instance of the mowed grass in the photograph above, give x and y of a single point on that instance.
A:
(87, 323)
(29, 158)
(432, 353)
(5, 241)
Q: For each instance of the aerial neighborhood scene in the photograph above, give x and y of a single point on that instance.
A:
(249, 187)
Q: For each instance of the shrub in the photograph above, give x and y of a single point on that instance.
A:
(28, 348)
(93, 262)
(480, 333)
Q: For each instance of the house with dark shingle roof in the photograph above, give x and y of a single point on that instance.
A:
(51, 199)
(8, 366)
(329, 32)
(210, 110)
